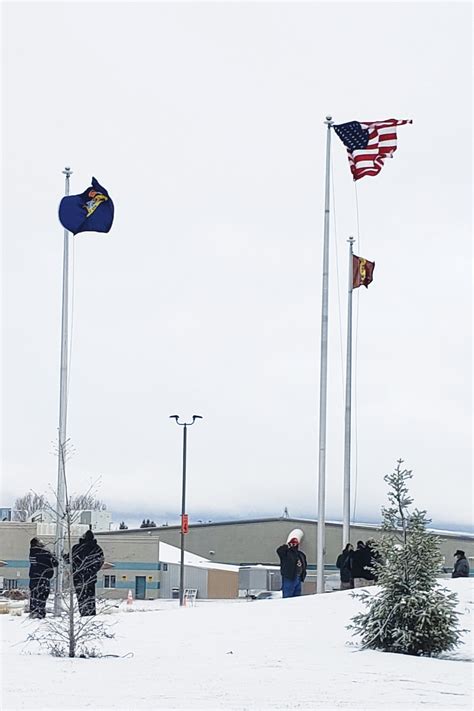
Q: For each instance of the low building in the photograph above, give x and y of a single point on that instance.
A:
(210, 580)
(140, 563)
(254, 541)
(151, 569)
(147, 561)
(95, 519)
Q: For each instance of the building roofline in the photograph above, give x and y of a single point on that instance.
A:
(274, 519)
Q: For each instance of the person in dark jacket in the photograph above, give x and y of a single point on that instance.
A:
(344, 563)
(361, 562)
(461, 566)
(42, 565)
(293, 568)
(87, 560)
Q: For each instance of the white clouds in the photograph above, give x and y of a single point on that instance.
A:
(205, 123)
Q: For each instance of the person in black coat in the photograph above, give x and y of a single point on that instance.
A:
(293, 568)
(344, 563)
(461, 566)
(375, 559)
(87, 560)
(361, 563)
(42, 565)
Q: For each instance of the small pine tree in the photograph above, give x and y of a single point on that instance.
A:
(411, 614)
(147, 524)
(123, 526)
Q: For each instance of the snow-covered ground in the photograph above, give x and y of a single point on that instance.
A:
(269, 654)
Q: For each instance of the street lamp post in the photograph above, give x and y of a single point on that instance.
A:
(184, 518)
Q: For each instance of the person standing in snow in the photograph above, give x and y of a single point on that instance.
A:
(42, 565)
(344, 563)
(293, 568)
(361, 562)
(87, 560)
(461, 566)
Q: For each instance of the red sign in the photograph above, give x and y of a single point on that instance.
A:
(184, 523)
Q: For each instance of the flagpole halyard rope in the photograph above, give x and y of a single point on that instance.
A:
(71, 330)
(337, 279)
(356, 362)
(356, 439)
(357, 212)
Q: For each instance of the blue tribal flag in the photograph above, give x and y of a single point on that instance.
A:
(91, 211)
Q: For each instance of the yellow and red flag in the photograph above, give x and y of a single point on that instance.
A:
(362, 271)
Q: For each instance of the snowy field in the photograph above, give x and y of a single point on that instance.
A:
(269, 654)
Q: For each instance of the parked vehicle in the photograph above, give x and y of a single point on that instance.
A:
(266, 595)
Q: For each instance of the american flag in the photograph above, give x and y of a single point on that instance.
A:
(368, 143)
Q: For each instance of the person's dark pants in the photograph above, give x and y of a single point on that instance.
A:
(39, 592)
(346, 585)
(291, 588)
(85, 598)
(362, 582)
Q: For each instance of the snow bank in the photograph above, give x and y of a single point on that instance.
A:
(270, 654)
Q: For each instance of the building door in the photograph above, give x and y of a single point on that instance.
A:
(140, 587)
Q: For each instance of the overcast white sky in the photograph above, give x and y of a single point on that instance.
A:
(205, 121)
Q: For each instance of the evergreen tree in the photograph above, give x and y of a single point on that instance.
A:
(123, 526)
(147, 524)
(411, 614)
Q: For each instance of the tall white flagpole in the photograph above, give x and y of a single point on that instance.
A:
(323, 376)
(346, 505)
(60, 493)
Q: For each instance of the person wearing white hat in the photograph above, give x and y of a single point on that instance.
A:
(293, 567)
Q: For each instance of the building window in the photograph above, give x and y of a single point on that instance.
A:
(5, 514)
(109, 581)
(165, 567)
(10, 583)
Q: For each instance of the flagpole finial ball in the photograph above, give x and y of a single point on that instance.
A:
(328, 118)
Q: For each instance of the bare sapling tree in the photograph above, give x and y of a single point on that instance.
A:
(31, 502)
(86, 502)
(76, 631)
(28, 504)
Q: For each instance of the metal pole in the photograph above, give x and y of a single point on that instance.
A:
(346, 505)
(60, 502)
(183, 500)
(183, 511)
(323, 376)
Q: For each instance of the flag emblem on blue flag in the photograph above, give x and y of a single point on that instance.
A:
(91, 211)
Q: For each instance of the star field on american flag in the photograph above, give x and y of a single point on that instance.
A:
(368, 143)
